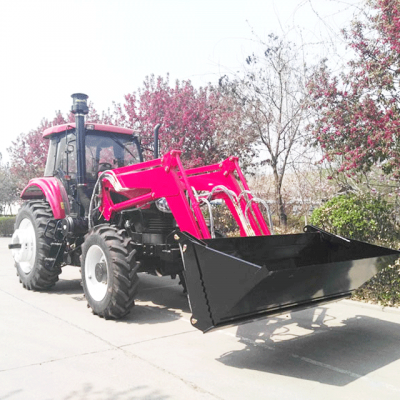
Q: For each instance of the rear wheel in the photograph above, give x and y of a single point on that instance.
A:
(33, 235)
(108, 271)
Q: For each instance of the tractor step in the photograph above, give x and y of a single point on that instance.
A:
(55, 256)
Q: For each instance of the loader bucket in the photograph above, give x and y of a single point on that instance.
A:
(236, 280)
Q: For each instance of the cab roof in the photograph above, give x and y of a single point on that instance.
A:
(95, 127)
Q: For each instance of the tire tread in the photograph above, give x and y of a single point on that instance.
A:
(125, 279)
(39, 277)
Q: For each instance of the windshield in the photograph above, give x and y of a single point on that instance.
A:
(109, 151)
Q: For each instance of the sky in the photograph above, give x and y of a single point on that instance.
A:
(50, 49)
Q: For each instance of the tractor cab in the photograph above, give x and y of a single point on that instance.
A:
(105, 147)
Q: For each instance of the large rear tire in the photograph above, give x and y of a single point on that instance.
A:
(109, 275)
(34, 232)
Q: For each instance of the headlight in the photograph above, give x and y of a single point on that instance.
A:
(162, 205)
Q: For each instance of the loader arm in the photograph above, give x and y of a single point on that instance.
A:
(184, 191)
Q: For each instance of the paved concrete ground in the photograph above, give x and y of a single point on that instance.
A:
(52, 347)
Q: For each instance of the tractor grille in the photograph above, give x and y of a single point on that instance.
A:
(160, 225)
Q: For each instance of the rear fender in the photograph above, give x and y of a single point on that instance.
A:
(52, 190)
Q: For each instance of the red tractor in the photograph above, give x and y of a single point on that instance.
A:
(101, 207)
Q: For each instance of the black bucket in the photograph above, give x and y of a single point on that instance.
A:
(236, 280)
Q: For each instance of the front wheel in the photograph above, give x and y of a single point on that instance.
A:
(108, 271)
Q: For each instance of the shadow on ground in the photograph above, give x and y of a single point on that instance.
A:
(159, 299)
(64, 286)
(162, 291)
(304, 347)
(311, 344)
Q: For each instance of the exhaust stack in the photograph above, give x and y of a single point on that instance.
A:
(80, 109)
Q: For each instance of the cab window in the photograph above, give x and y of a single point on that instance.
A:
(62, 155)
(108, 151)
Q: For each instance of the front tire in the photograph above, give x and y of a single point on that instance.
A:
(108, 272)
(34, 233)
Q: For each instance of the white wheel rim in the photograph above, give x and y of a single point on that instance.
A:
(96, 273)
(25, 236)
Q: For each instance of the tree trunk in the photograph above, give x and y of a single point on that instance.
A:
(280, 206)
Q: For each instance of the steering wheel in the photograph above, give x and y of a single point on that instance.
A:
(104, 166)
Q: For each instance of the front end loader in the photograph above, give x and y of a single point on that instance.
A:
(101, 207)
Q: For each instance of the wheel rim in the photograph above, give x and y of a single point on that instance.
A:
(25, 236)
(96, 273)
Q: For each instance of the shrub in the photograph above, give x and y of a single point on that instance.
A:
(7, 226)
(383, 288)
(370, 219)
(361, 217)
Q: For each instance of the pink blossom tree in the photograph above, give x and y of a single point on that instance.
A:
(205, 125)
(357, 114)
(28, 152)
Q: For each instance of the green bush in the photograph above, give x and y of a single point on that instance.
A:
(383, 288)
(370, 219)
(7, 226)
(361, 217)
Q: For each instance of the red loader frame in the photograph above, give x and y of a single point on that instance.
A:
(185, 191)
